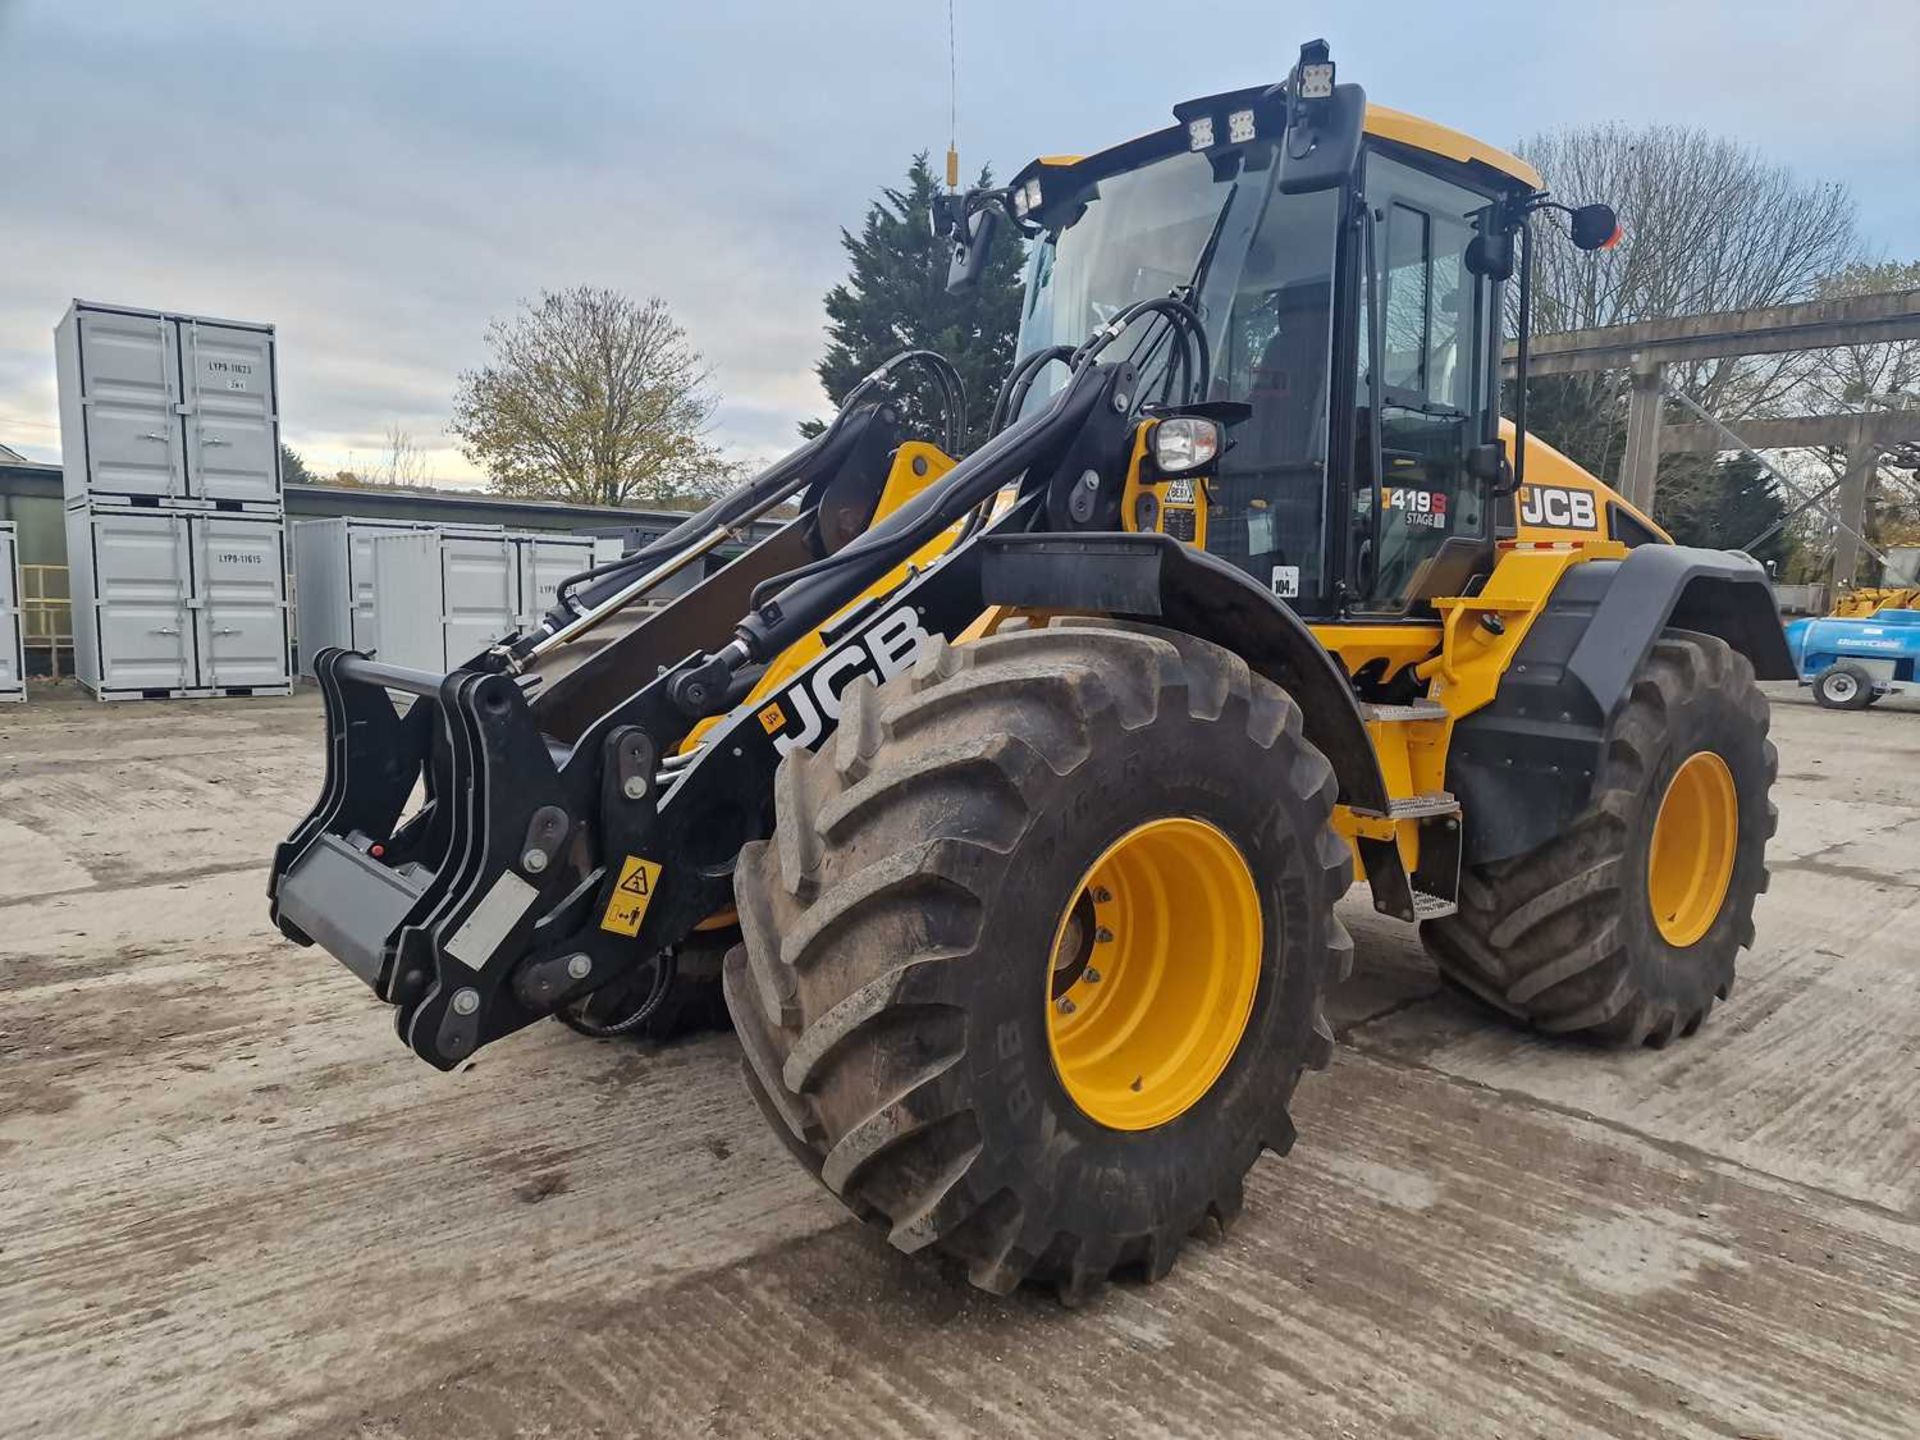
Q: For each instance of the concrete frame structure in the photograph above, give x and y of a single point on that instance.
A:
(1646, 349)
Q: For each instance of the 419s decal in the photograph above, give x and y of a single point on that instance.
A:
(1420, 507)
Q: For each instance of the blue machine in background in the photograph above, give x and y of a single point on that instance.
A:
(1851, 662)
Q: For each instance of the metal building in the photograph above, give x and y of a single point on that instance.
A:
(13, 655)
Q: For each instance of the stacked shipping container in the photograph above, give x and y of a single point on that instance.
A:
(176, 530)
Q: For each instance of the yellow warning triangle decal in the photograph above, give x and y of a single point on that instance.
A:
(635, 884)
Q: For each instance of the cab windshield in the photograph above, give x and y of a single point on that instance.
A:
(1140, 235)
(1261, 268)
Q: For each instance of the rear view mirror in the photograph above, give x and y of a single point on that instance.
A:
(1488, 464)
(1322, 148)
(1324, 124)
(1491, 255)
(944, 215)
(972, 247)
(1595, 227)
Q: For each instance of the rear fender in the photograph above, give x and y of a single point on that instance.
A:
(1524, 767)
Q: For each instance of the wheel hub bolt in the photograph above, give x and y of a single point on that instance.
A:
(1066, 1006)
(1101, 895)
(1103, 936)
(1092, 977)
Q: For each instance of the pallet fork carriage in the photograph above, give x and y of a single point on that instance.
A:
(1017, 788)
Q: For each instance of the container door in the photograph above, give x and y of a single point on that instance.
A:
(130, 388)
(360, 540)
(231, 450)
(241, 578)
(12, 675)
(481, 581)
(543, 565)
(141, 575)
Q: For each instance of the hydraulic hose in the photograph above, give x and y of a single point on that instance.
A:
(1013, 394)
(970, 483)
(900, 536)
(1182, 315)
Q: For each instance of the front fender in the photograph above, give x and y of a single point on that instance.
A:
(1158, 580)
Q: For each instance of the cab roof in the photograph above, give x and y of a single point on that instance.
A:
(1386, 124)
(1411, 130)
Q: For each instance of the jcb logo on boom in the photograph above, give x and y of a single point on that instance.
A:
(888, 647)
(1558, 509)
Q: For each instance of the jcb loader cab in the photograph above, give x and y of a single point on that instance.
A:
(1019, 788)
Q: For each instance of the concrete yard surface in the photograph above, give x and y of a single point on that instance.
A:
(231, 1203)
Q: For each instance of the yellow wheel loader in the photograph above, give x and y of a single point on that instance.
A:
(1018, 790)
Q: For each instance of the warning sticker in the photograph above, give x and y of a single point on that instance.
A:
(631, 896)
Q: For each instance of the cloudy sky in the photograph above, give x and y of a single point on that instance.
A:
(379, 179)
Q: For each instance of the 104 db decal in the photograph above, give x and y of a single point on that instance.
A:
(802, 713)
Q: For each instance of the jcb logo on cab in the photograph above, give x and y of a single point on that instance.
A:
(1558, 508)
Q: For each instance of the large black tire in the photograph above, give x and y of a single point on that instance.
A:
(1844, 687)
(1564, 937)
(891, 993)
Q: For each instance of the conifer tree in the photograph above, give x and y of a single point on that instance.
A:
(896, 298)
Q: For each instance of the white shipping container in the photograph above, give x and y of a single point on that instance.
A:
(170, 603)
(13, 655)
(176, 408)
(546, 560)
(333, 579)
(442, 597)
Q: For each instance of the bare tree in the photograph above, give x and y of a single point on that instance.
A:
(1861, 379)
(1710, 225)
(592, 397)
(402, 463)
(1866, 377)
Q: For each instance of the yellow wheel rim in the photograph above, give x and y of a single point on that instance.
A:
(1691, 860)
(1155, 963)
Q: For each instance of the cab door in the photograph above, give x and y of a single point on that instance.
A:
(1418, 517)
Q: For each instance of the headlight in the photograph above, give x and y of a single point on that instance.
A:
(1026, 199)
(1200, 133)
(1240, 127)
(1186, 442)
